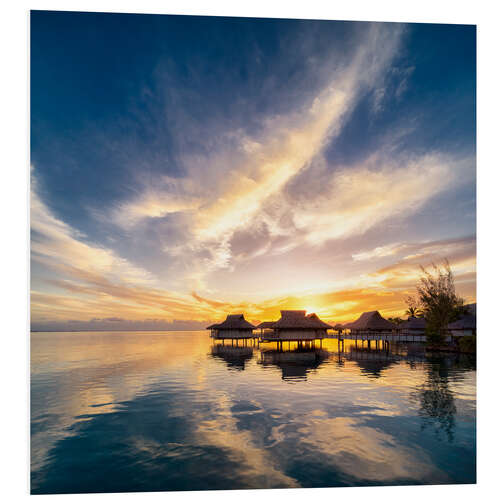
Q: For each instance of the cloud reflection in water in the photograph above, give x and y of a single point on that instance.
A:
(172, 411)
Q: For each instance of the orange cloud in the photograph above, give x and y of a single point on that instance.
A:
(92, 295)
(88, 282)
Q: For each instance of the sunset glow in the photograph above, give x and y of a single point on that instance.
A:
(316, 173)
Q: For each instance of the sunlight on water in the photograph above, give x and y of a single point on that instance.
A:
(128, 411)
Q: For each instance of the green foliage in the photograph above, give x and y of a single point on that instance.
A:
(433, 335)
(413, 308)
(396, 321)
(438, 301)
(467, 344)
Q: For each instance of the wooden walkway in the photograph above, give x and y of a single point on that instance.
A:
(386, 337)
(382, 339)
(378, 337)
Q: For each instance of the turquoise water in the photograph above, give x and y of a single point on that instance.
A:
(128, 411)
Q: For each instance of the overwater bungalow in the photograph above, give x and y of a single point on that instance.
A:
(295, 326)
(235, 326)
(471, 309)
(265, 326)
(463, 327)
(370, 322)
(412, 326)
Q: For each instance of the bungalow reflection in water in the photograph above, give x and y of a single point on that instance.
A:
(235, 356)
(294, 365)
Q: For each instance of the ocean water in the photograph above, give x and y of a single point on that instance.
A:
(159, 411)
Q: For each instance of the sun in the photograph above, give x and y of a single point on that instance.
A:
(312, 308)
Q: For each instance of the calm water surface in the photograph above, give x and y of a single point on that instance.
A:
(128, 411)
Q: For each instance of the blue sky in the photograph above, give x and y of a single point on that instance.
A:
(186, 166)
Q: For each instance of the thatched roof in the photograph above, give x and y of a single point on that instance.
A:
(339, 326)
(314, 319)
(266, 324)
(213, 327)
(465, 323)
(413, 323)
(471, 308)
(233, 322)
(298, 319)
(371, 320)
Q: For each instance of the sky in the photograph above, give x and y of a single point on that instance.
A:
(184, 168)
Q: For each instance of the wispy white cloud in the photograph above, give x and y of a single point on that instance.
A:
(225, 192)
(154, 203)
(405, 75)
(405, 272)
(320, 204)
(378, 252)
(84, 279)
(355, 199)
(274, 191)
(56, 244)
(413, 251)
(266, 201)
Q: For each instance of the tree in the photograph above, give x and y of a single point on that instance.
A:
(396, 321)
(413, 310)
(438, 300)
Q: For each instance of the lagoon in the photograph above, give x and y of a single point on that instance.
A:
(160, 411)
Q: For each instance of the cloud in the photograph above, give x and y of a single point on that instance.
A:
(117, 324)
(320, 204)
(415, 251)
(384, 289)
(271, 191)
(266, 199)
(168, 196)
(213, 303)
(352, 200)
(383, 251)
(290, 142)
(82, 279)
(405, 75)
(460, 253)
(56, 244)
(222, 192)
(393, 86)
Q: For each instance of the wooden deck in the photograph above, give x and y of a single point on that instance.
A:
(386, 337)
(360, 337)
(368, 336)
